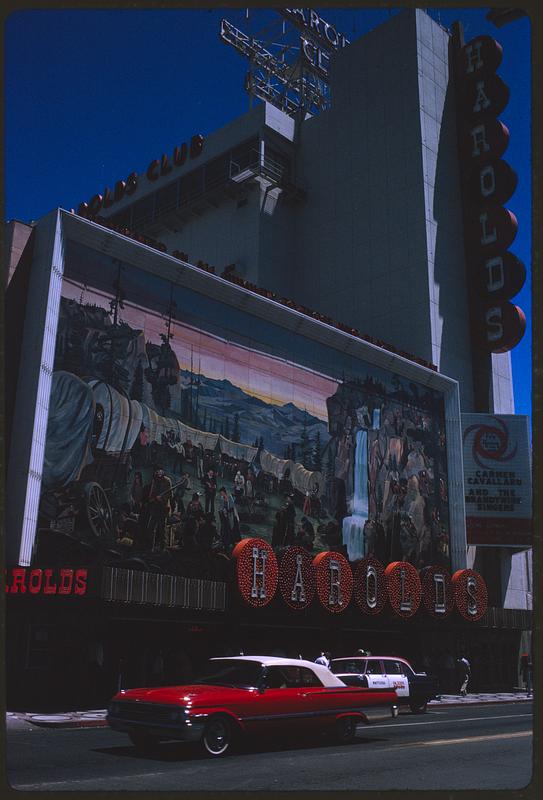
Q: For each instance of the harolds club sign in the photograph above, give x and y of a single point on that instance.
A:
(156, 169)
(495, 275)
(328, 576)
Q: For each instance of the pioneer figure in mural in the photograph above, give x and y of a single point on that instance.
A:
(160, 499)
(228, 515)
(163, 371)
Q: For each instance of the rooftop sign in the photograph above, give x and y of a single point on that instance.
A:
(290, 74)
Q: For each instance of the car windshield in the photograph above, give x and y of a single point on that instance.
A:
(241, 674)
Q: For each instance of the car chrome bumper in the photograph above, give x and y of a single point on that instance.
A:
(185, 731)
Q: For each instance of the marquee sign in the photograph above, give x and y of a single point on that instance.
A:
(497, 479)
(38, 581)
(297, 578)
(437, 591)
(329, 576)
(156, 169)
(470, 594)
(318, 38)
(404, 588)
(370, 586)
(495, 274)
(334, 581)
(256, 571)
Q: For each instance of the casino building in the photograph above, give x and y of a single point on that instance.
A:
(364, 217)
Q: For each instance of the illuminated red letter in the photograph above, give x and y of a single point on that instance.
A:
(66, 580)
(34, 587)
(152, 170)
(49, 588)
(18, 581)
(80, 581)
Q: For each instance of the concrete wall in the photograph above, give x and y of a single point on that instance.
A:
(16, 235)
(517, 579)
(380, 240)
(361, 237)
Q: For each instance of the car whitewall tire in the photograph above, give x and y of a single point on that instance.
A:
(217, 737)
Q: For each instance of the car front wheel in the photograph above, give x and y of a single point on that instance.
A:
(345, 729)
(217, 737)
(418, 706)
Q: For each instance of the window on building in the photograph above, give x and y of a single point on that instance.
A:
(217, 171)
(142, 211)
(166, 198)
(191, 186)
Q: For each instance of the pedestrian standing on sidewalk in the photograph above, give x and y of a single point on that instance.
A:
(464, 673)
(526, 670)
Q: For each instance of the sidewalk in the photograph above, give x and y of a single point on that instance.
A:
(97, 718)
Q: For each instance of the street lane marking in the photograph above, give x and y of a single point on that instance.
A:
(79, 781)
(440, 722)
(487, 738)
(463, 740)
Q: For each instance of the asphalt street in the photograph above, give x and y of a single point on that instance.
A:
(478, 747)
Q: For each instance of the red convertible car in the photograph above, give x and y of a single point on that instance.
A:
(247, 695)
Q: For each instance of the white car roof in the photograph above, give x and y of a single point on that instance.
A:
(371, 658)
(323, 673)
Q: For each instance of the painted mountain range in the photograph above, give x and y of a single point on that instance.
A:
(223, 407)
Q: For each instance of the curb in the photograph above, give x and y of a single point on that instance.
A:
(74, 723)
(81, 722)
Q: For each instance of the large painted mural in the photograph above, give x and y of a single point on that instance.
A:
(179, 425)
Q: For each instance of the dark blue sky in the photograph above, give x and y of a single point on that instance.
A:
(93, 95)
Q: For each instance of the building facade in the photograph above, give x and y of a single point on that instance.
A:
(340, 248)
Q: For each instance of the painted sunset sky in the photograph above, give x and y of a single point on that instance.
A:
(271, 379)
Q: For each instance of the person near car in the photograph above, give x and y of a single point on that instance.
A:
(464, 672)
(526, 670)
(324, 659)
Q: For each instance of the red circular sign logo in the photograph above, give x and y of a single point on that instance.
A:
(370, 586)
(256, 571)
(404, 588)
(470, 594)
(297, 579)
(480, 55)
(437, 591)
(334, 581)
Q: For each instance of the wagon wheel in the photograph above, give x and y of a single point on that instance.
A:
(98, 510)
